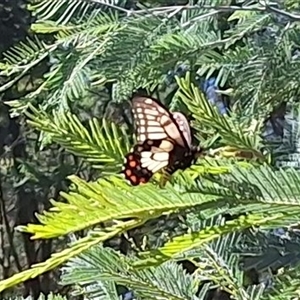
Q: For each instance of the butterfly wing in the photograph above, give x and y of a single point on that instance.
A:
(145, 159)
(184, 127)
(162, 139)
(154, 122)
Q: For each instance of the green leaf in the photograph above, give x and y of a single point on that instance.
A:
(103, 266)
(103, 146)
(197, 239)
(108, 200)
(232, 132)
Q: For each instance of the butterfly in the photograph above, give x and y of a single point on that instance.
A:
(164, 141)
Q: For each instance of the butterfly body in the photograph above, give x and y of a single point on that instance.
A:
(163, 141)
(188, 159)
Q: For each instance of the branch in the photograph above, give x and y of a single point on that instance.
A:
(263, 7)
(283, 13)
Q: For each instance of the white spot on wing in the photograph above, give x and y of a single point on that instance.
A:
(142, 122)
(156, 136)
(146, 162)
(164, 119)
(151, 112)
(150, 117)
(153, 165)
(166, 145)
(155, 129)
(142, 137)
(148, 101)
(146, 154)
(161, 156)
(159, 166)
(161, 110)
(153, 123)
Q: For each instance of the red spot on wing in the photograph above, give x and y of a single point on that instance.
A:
(133, 163)
(133, 179)
(133, 170)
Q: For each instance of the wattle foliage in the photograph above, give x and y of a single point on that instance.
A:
(231, 207)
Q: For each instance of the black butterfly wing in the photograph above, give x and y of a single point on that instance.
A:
(163, 140)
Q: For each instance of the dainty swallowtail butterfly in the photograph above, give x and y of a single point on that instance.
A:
(164, 141)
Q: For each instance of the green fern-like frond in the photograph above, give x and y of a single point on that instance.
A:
(286, 281)
(74, 57)
(231, 132)
(103, 265)
(263, 194)
(103, 146)
(64, 11)
(57, 259)
(25, 55)
(114, 200)
(247, 22)
(20, 59)
(93, 203)
(50, 296)
(197, 239)
(275, 186)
